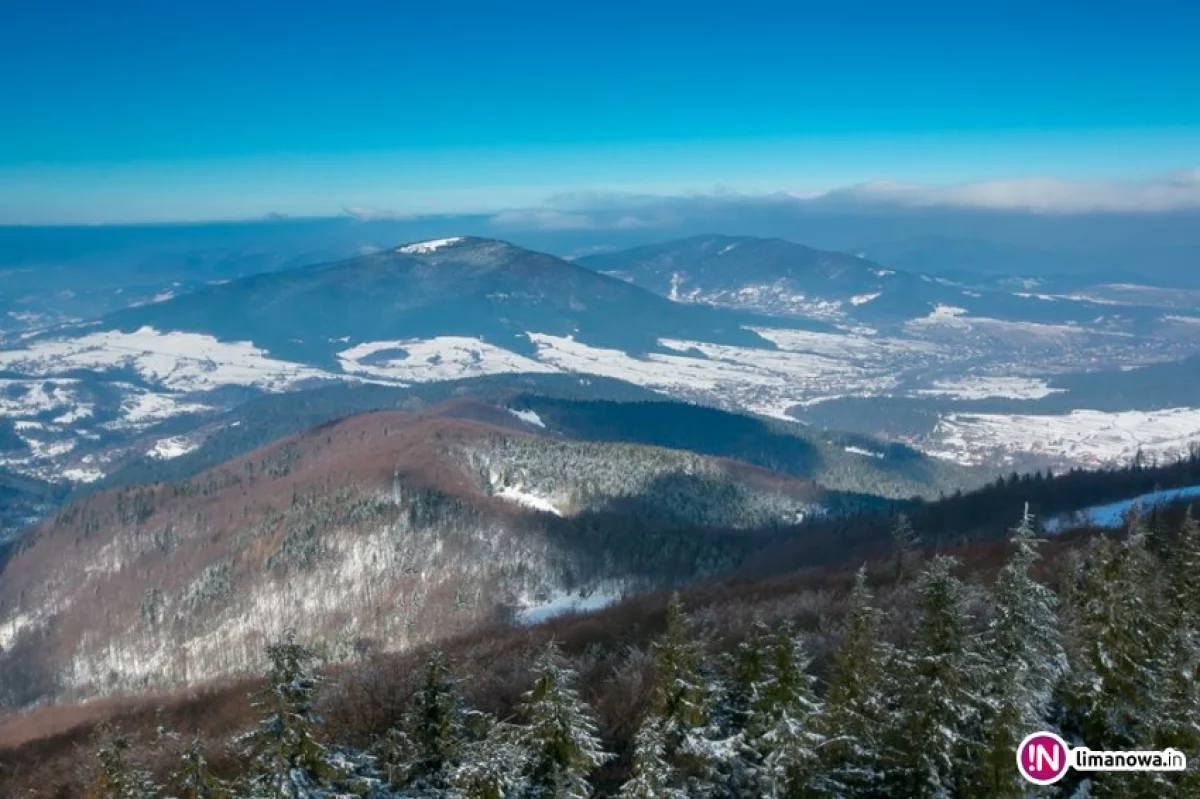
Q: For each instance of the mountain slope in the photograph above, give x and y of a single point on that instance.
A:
(467, 287)
(769, 275)
(836, 461)
(389, 528)
(781, 277)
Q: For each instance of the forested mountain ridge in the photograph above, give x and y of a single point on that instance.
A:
(443, 522)
(460, 286)
(917, 676)
(837, 461)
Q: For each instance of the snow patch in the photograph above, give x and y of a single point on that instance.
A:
(83, 475)
(974, 388)
(176, 360)
(560, 602)
(426, 247)
(148, 407)
(1086, 437)
(528, 416)
(522, 497)
(860, 451)
(1114, 513)
(440, 358)
(173, 447)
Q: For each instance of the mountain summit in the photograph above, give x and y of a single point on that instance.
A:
(462, 286)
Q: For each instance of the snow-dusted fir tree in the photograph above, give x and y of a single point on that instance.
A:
(683, 692)
(289, 761)
(787, 713)
(939, 701)
(560, 734)
(1118, 646)
(686, 690)
(494, 765)
(1176, 714)
(747, 674)
(856, 715)
(1116, 642)
(394, 755)
(193, 779)
(651, 775)
(906, 545)
(1025, 659)
(435, 730)
(119, 777)
(1185, 575)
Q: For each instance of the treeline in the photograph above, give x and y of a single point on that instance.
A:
(783, 447)
(926, 698)
(977, 515)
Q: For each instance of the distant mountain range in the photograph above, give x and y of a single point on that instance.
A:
(740, 323)
(465, 287)
(780, 277)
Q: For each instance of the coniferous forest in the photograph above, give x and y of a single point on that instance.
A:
(926, 695)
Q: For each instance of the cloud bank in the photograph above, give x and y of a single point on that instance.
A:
(591, 210)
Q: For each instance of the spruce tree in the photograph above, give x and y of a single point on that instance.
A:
(494, 765)
(651, 775)
(940, 703)
(787, 712)
(290, 763)
(905, 544)
(119, 776)
(685, 698)
(1118, 648)
(856, 713)
(1025, 659)
(748, 673)
(193, 778)
(683, 693)
(560, 734)
(1176, 715)
(1185, 575)
(437, 727)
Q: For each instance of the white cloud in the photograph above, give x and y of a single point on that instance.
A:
(543, 219)
(609, 210)
(1171, 192)
(551, 219)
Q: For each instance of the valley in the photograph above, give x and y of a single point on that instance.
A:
(81, 398)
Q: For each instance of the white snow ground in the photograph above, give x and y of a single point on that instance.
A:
(973, 388)
(519, 496)
(1094, 438)
(1114, 513)
(440, 358)
(426, 247)
(527, 416)
(176, 361)
(561, 602)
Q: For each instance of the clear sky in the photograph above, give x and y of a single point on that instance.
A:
(174, 109)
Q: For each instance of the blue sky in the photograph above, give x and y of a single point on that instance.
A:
(181, 110)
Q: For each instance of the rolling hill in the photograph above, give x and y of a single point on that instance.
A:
(387, 529)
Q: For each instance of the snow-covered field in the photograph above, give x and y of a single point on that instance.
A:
(440, 358)
(528, 416)
(1085, 437)
(973, 388)
(945, 318)
(1114, 514)
(173, 447)
(519, 496)
(535, 611)
(793, 367)
(176, 361)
